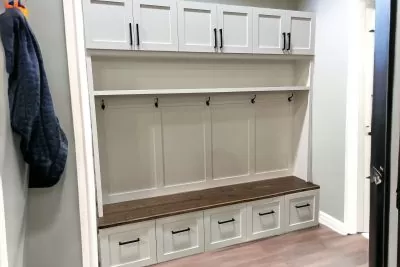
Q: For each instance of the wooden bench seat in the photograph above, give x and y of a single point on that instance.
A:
(170, 205)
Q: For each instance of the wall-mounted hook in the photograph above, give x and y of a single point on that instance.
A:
(103, 105)
(208, 101)
(290, 98)
(253, 100)
(156, 102)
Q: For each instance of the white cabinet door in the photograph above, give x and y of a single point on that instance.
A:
(268, 31)
(197, 27)
(301, 36)
(235, 29)
(156, 25)
(107, 24)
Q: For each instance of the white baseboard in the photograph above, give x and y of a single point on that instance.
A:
(332, 223)
(366, 235)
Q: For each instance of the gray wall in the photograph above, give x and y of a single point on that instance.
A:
(12, 178)
(53, 234)
(329, 102)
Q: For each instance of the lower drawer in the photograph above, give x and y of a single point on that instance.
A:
(180, 236)
(225, 226)
(302, 210)
(265, 218)
(128, 246)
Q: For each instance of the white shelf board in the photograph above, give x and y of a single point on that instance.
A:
(198, 91)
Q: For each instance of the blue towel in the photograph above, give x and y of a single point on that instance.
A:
(44, 145)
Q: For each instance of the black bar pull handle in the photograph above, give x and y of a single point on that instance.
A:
(180, 231)
(284, 41)
(215, 38)
(137, 34)
(228, 221)
(303, 206)
(222, 38)
(130, 34)
(266, 213)
(289, 35)
(129, 242)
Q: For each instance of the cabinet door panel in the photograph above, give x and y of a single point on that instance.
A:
(107, 24)
(236, 24)
(231, 140)
(156, 21)
(302, 28)
(268, 31)
(130, 145)
(184, 143)
(197, 23)
(273, 133)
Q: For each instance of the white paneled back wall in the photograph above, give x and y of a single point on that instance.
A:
(186, 144)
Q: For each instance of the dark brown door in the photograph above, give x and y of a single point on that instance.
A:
(381, 129)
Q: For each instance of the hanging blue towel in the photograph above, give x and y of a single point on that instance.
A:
(44, 145)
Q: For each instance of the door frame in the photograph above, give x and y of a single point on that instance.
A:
(76, 55)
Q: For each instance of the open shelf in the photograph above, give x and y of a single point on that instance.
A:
(199, 91)
(170, 205)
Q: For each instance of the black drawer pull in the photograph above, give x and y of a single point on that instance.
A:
(229, 221)
(129, 242)
(137, 34)
(289, 35)
(266, 213)
(284, 41)
(130, 34)
(222, 38)
(180, 231)
(303, 206)
(215, 38)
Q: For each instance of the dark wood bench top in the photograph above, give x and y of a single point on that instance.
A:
(170, 205)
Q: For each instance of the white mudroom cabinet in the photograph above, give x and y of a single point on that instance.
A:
(200, 114)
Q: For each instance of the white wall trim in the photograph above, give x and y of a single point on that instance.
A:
(73, 18)
(332, 223)
(354, 119)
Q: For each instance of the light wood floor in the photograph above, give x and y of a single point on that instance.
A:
(314, 247)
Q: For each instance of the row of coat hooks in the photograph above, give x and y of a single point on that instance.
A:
(17, 4)
(208, 101)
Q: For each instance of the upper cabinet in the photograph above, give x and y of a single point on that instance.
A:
(235, 25)
(301, 32)
(283, 32)
(197, 27)
(171, 25)
(269, 31)
(108, 23)
(156, 25)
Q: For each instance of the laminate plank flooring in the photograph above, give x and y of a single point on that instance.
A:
(317, 247)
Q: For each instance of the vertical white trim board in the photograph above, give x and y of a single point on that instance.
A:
(332, 223)
(73, 18)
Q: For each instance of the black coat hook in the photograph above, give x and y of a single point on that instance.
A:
(156, 102)
(253, 100)
(290, 98)
(103, 105)
(208, 101)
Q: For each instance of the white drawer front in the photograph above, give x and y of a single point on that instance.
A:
(225, 226)
(264, 218)
(180, 236)
(129, 246)
(302, 209)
